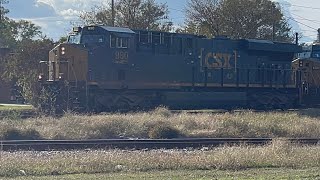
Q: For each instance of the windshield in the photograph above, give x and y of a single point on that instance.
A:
(315, 54)
(74, 39)
(92, 39)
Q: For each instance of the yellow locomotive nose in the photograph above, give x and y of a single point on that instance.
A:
(67, 62)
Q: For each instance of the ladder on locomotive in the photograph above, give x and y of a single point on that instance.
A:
(73, 97)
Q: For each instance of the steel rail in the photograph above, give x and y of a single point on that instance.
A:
(45, 145)
(24, 114)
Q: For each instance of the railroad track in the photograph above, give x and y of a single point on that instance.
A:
(45, 145)
(33, 113)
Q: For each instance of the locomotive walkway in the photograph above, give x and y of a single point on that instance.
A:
(45, 145)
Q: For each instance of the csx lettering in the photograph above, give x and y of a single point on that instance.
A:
(218, 60)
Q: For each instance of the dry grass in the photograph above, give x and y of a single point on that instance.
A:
(138, 125)
(279, 154)
(12, 107)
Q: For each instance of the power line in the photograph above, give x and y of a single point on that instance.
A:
(177, 10)
(303, 24)
(311, 20)
(303, 18)
(306, 31)
(306, 7)
(295, 20)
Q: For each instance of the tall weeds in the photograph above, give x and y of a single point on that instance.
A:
(276, 154)
(139, 125)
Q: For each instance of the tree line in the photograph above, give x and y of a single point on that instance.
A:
(262, 19)
(28, 46)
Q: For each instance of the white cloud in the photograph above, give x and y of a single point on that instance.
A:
(70, 12)
(77, 5)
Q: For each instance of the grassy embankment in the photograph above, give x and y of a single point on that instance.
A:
(304, 124)
(277, 157)
(268, 173)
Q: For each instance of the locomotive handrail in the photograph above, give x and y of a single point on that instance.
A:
(266, 76)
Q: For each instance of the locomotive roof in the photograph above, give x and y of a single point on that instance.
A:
(266, 45)
(130, 31)
(259, 41)
(118, 29)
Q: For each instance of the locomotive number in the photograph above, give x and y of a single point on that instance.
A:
(121, 57)
(218, 60)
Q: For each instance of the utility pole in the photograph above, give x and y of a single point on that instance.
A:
(273, 7)
(113, 12)
(0, 11)
(318, 39)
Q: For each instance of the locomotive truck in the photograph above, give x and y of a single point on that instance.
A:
(102, 68)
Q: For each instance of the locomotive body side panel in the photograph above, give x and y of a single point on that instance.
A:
(121, 68)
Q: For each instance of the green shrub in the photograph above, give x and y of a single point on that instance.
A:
(163, 131)
(12, 134)
(15, 134)
(32, 134)
(11, 114)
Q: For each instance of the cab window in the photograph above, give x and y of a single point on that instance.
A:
(92, 39)
(144, 37)
(119, 42)
(74, 39)
(316, 54)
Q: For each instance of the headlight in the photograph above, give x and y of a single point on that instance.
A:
(63, 50)
(40, 77)
(60, 76)
(300, 63)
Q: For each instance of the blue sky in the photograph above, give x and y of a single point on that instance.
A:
(57, 16)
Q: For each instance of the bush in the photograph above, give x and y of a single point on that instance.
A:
(163, 131)
(15, 134)
(12, 134)
(11, 114)
(162, 111)
(32, 134)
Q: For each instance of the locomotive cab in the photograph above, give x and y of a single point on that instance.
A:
(82, 62)
(86, 49)
(67, 61)
(308, 64)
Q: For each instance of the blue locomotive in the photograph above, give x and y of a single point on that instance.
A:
(103, 68)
